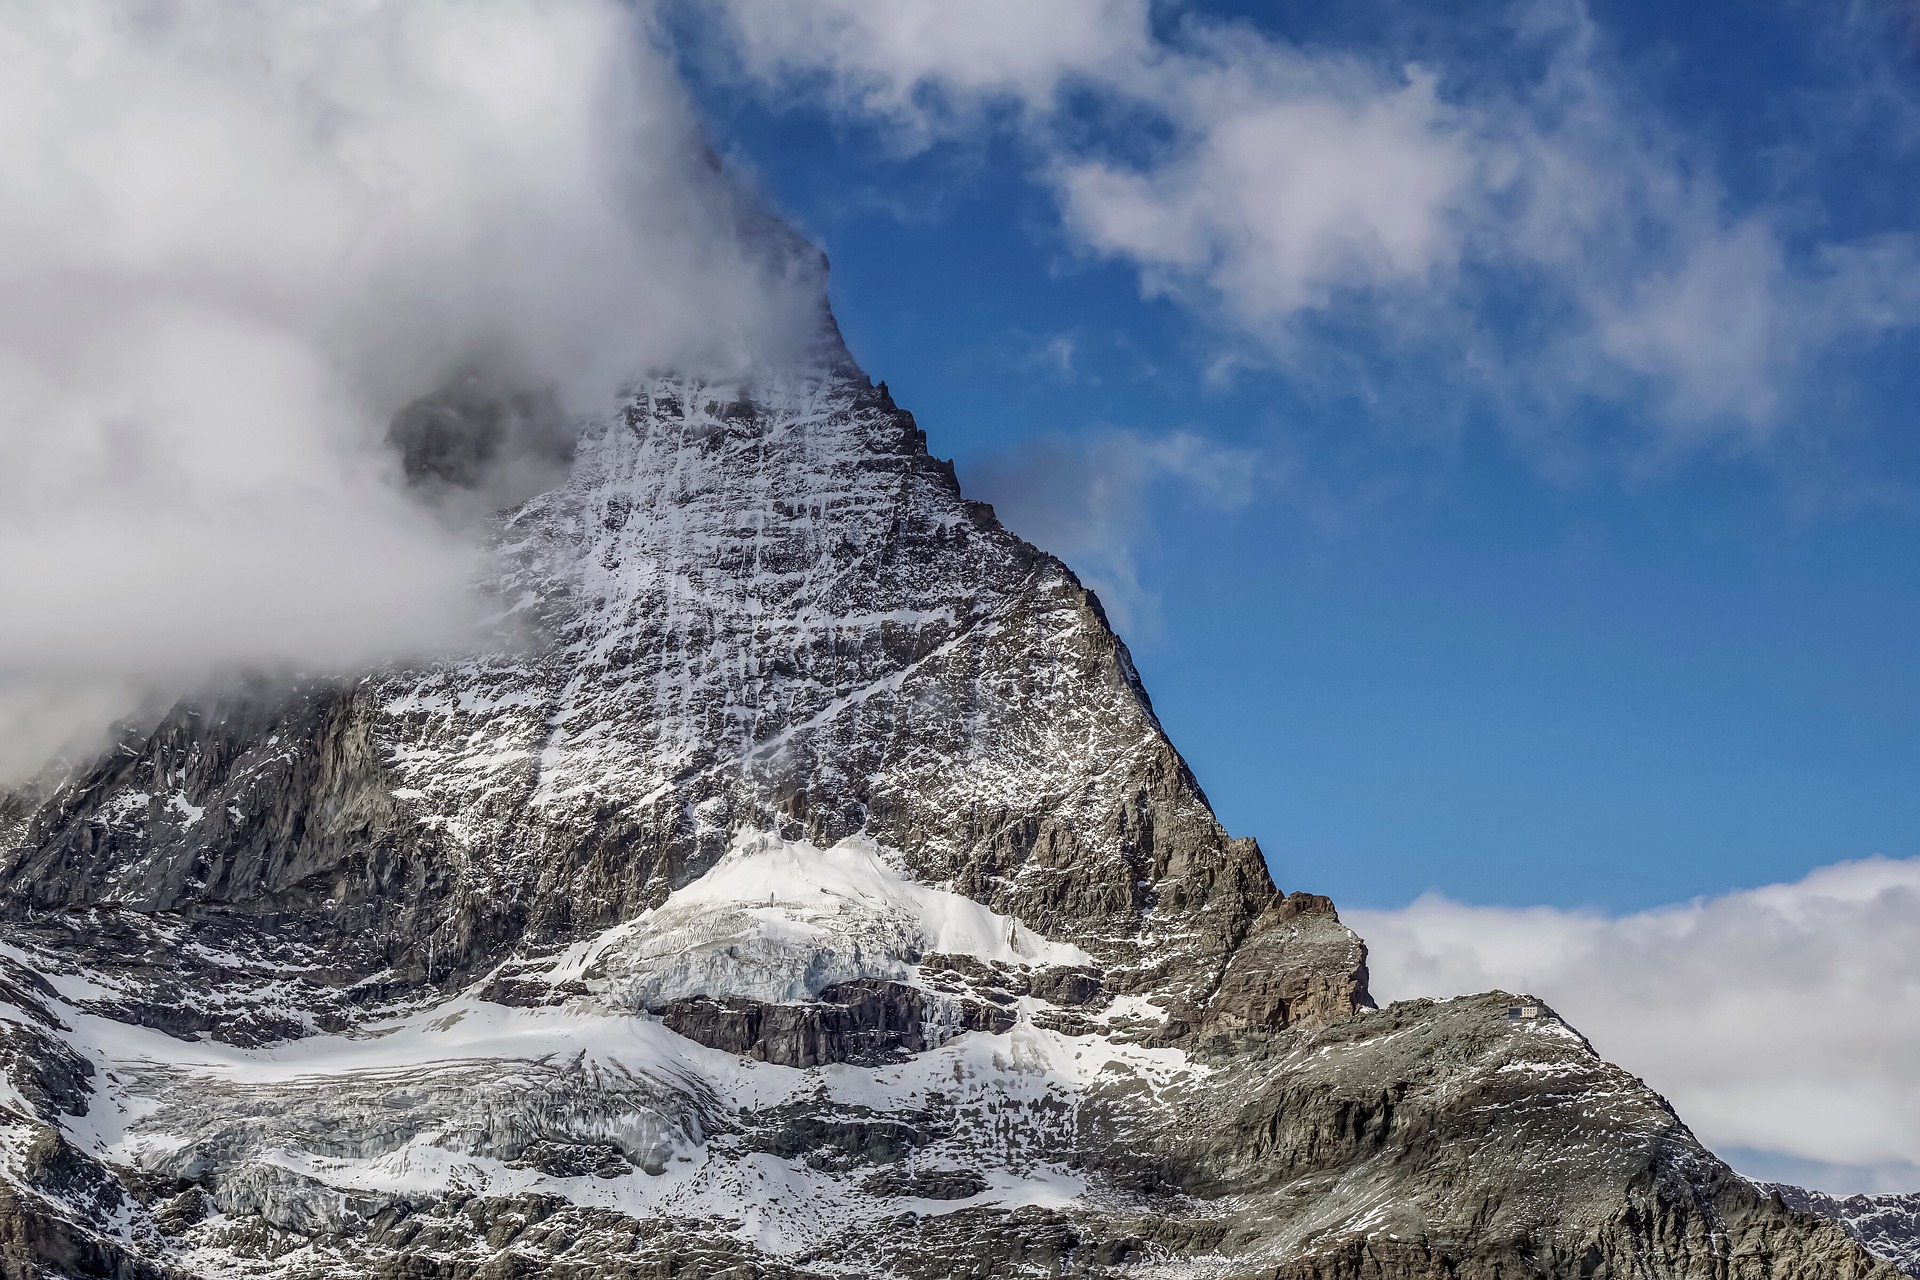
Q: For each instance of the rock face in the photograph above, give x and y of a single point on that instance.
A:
(804, 887)
(1887, 1224)
(750, 607)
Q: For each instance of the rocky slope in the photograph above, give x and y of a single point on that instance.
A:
(807, 889)
(1889, 1225)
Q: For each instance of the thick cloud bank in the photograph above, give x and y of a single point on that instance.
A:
(1783, 1022)
(237, 239)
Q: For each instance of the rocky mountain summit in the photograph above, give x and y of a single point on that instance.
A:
(808, 889)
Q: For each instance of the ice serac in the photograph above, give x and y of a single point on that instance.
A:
(807, 889)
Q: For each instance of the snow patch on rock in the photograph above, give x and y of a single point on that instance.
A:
(778, 920)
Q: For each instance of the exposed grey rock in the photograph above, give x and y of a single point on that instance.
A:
(39, 1240)
(575, 1159)
(838, 1137)
(1299, 963)
(927, 1184)
(1888, 1225)
(182, 1212)
(48, 1075)
(864, 1021)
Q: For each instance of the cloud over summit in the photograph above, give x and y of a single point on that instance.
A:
(236, 240)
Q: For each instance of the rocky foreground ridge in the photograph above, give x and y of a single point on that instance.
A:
(808, 891)
(1887, 1224)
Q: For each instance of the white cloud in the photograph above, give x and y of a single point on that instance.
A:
(1266, 206)
(1783, 1022)
(1089, 499)
(928, 66)
(1275, 188)
(235, 239)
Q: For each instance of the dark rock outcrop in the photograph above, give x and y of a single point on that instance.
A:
(927, 1184)
(865, 1021)
(827, 1135)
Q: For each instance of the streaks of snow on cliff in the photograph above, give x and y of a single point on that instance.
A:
(766, 607)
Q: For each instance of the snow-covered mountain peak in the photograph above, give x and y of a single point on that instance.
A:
(813, 893)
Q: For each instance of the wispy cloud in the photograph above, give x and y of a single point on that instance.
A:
(1783, 1021)
(930, 69)
(1514, 218)
(1090, 499)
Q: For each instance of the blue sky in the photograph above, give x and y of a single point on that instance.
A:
(1520, 637)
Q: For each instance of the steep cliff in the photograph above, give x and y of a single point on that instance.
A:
(1888, 1224)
